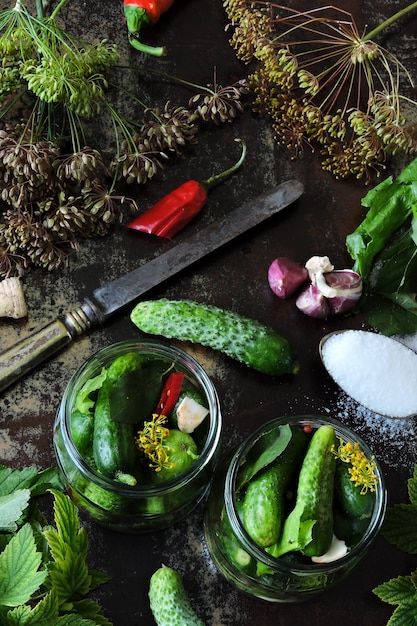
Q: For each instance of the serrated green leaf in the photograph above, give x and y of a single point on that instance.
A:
(89, 609)
(20, 576)
(44, 613)
(12, 507)
(11, 479)
(74, 620)
(70, 578)
(397, 590)
(98, 577)
(400, 527)
(412, 488)
(404, 615)
(68, 524)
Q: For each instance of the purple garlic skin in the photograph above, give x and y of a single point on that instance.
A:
(285, 276)
(312, 302)
(348, 287)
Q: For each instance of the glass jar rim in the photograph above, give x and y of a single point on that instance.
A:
(230, 497)
(188, 364)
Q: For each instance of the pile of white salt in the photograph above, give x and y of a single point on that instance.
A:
(378, 372)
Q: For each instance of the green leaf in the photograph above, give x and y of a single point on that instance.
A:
(44, 613)
(389, 205)
(404, 615)
(11, 479)
(12, 507)
(19, 565)
(74, 620)
(84, 403)
(98, 577)
(68, 524)
(89, 609)
(412, 487)
(264, 451)
(397, 590)
(400, 527)
(28, 478)
(70, 577)
(134, 396)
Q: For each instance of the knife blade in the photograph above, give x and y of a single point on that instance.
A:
(104, 301)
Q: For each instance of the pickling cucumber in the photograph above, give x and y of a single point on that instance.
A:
(264, 501)
(348, 495)
(168, 600)
(114, 446)
(241, 338)
(309, 526)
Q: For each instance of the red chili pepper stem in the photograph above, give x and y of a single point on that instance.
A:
(136, 19)
(213, 180)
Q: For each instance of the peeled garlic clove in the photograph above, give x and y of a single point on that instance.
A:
(12, 299)
(286, 276)
(348, 287)
(312, 302)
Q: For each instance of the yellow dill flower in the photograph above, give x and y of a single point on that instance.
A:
(362, 469)
(150, 440)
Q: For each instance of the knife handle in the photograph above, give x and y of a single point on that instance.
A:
(31, 351)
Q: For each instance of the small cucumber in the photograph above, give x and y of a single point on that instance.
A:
(82, 428)
(309, 526)
(168, 600)
(264, 502)
(244, 339)
(114, 446)
(348, 495)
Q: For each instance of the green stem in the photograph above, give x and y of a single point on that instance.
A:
(373, 33)
(57, 9)
(213, 180)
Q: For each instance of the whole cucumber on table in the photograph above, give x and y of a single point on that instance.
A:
(168, 599)
(114, 446)
(241, 338)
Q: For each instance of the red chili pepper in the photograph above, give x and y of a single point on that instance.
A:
(170, 214)
(170, 393)
(141, 13)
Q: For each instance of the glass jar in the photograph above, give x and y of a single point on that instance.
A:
(291, 577)
(142, 507)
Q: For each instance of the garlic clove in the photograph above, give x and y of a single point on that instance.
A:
(347, 285)
(312, 302)
(12, 299)
(285, 276)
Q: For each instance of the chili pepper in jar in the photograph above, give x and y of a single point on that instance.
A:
(174, 211)
(142, 13)
(170, 393)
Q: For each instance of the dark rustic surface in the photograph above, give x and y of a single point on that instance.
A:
(235, 277)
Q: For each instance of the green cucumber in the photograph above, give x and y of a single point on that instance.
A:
(114, 446)
(309, 526)
(241, 338)
(168, 600)
(82, 429)
(264, 501)
(349, 497)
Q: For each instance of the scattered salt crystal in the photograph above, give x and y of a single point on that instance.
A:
(377, 371)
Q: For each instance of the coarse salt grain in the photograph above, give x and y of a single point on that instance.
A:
(376, 371)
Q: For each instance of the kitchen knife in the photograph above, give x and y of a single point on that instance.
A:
(106, 300)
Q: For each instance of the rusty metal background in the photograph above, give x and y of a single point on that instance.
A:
(234, 277)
